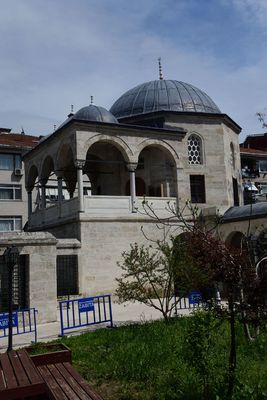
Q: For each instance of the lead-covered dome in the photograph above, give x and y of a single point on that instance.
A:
(163, 95)
(95, 113)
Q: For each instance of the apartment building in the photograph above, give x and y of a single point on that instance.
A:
(13, 196)
(253, 154)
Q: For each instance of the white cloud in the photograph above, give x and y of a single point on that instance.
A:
(252, 10)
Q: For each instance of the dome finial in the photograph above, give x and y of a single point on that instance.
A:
(160, 69)
(71, 111)
(92, 99)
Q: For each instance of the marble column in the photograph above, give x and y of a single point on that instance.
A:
(79, 164)
(131, 168)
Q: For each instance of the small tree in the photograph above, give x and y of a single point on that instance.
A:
(152, 275)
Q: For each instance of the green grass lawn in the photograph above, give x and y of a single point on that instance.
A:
(168, 361)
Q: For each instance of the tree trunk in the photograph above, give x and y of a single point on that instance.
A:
(232, 354)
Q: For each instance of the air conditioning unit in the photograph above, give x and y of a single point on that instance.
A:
(18, 172)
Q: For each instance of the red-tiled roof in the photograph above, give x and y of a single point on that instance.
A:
(18, 140)
(256, 141)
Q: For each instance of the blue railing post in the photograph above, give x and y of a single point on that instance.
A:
(61, 319)
(35, 326)
(110, 311)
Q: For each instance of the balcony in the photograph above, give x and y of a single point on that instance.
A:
(102, 207)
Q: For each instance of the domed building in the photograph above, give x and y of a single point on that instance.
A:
(163, 95)
(166, 140)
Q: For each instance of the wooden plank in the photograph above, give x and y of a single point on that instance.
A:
(53, 388)
(64, 383)
(19, 372)
(81, 394)
(36, 391)
(74, 375)
(2, 380)
(30, 368)
(8, 372)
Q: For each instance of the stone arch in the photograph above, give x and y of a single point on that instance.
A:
(166, 147)
(119, 143)
(158, 169)
(65, 167)
(31, 177)
(63, 157)
(235, 239)
(105, 169)
(47, 168)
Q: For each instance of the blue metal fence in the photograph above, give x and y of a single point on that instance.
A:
(195, 299)
(24, 321)
(78, 313)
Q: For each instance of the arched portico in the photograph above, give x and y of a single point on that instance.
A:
(105, 169)
(157, 170)
(117, 142)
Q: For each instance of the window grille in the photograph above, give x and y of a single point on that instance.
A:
(194, 144)
(20, 284)
(67, 275)
(197, 186)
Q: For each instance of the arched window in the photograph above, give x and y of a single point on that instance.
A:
(194, 145)
(232, 155)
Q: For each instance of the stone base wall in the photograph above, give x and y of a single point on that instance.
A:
(40, 247)
(103, 242)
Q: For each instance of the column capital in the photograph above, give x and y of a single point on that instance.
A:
(131, 166)
(79, 164)
(43, 181)
(29, 189)
(59, 174)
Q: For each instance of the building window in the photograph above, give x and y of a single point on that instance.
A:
(8, 224)
(232, 155)
(197, 186)
(10, 192)
(20, 284)
(67, 275)
(194, 144)
(235, 192)
(10, 161)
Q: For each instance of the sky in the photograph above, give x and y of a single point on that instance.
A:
(55, 53)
